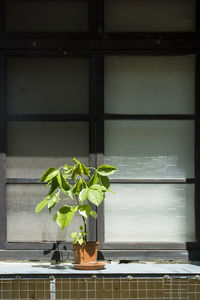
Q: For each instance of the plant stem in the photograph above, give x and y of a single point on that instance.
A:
(84, 222)
(85, 229)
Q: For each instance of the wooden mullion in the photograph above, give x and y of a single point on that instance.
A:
(150, 246)
(23, 181)
(92, 136)
(48, 246)
(3, 206)
(149, 117)
(92, 16)
(48, 117)
(153, 181)
(100, 16)
(197, 150)
(2, 104)
(197, 16)
(2, 17)
(100, 136)
(92, 108)
(3, 209)
(105, 44)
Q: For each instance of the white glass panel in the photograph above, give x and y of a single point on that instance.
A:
(149, 85)
(149, 15)
(150, 149)
(150, 213)
(47, 85)
(35, 146)
(23, 224)
(30, 16)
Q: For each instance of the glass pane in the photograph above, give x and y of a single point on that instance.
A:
(150, 85)
(32, 147)
(153, 213)
(47, 85)
(30, 16)
(23, 225)
(149, 15)
(150, 149)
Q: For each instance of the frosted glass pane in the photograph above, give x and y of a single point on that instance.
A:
(149, 15)
(149, 85)
(153, 213)
(150, 149)
(30, 16)
(32, 147)
(22, 222)
(47, 85)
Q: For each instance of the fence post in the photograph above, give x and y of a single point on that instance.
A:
(52, 287)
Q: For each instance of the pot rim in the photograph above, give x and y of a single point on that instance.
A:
(88, 243)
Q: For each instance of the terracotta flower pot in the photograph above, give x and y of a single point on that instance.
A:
(85, 253)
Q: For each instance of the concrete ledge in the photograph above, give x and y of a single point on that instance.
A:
(13, 269)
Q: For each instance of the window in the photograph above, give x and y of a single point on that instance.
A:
(112, 82)
(46, 16)
(149, 16)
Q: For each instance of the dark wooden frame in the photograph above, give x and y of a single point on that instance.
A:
(96, 44)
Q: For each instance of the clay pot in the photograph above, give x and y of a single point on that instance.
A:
(85, 253)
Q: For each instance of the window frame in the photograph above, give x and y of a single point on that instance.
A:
(96, 44)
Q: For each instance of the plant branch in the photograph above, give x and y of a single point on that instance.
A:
(84, 221)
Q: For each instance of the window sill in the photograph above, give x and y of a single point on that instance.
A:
(135, 269)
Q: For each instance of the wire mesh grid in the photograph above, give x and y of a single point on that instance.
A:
(80, 288)
(24, 289)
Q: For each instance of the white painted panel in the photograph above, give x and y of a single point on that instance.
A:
(30, 16)
(149, 15)
(32, 147)
(24, 225)
(149, 85)
(47, 85)
(150, 149)
(150, 213)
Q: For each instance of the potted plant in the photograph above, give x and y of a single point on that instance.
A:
(84, 185)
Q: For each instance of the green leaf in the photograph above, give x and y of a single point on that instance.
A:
(42, 204)
(49, 174)
(62, 182)
(81, 241)
(84, 210)
(94, 179)
(55, 217)
(66, 167)
(53, 185)
(86, 171)
(93, 214)
(53, 201)
(83, 194)
(111, 191)
(67, 172)
(98, 187)
(106, 170)
(74, 173)
(95, 196)
(76, 240)
(77, 187)
(80, 169)
(105, 181)
(76, 161)
(64, 216)
(68, 193)
(73, 235)
(76, 209)
(81, 227)
(84, 184)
